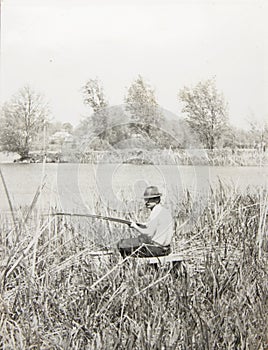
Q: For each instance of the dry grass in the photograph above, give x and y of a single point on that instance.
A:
(54, 295)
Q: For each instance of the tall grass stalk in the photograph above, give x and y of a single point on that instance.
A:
(262, 235)
(9, 200)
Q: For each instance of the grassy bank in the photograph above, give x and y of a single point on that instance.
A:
(55, 296)
(217, 157)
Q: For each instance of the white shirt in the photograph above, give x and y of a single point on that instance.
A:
(159, 226)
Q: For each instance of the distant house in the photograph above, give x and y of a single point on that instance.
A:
(61, 137)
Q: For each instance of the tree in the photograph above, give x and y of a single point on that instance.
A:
(206, 112)
(21, 120)
(259, 133)
(142, 105)
(93, 96)
(67, 127)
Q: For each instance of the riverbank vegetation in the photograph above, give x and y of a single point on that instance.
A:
(191, 157)
(55, 295)
(195, 157)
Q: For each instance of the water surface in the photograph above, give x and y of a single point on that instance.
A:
(74, 187)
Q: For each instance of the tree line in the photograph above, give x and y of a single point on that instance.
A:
(26, 115)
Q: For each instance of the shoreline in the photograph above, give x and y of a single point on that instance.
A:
(189, 157)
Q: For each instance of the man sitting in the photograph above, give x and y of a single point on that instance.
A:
(156, 235)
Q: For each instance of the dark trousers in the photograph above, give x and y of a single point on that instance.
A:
(142, 247)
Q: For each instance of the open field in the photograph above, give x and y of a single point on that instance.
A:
(55, 296)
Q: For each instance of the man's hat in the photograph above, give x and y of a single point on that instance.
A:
(151, 192)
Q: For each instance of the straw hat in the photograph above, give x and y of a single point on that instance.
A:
(151, 192)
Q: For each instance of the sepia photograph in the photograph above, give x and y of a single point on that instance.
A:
(134, 175)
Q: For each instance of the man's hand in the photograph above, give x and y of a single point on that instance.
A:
(132, 224)
(136, 225)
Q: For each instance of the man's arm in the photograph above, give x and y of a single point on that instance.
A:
(146, 229)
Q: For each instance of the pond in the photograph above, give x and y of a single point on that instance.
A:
(83, 187)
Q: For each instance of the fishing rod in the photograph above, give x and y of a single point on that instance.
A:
(101, 217)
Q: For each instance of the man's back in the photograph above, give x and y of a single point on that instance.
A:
(160, 225)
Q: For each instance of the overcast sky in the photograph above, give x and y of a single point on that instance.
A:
(55, 46)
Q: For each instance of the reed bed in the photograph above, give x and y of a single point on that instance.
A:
(216, 157)
(55, 295)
